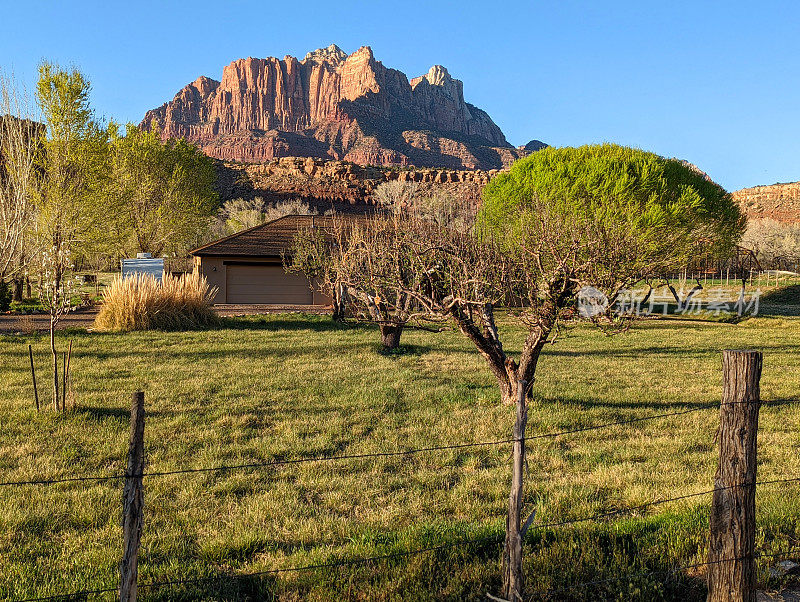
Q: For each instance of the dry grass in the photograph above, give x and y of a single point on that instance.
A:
(140, 302)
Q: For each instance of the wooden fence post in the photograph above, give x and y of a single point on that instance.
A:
(132, 503)
(731, 568)
(512, 552)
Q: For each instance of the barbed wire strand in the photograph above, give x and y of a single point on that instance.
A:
(261, 464)
(631, 509)
(406, 452)
(594, 427)
(355, 561)
(339, 563)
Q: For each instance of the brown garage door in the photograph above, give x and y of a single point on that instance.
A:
(266, 284)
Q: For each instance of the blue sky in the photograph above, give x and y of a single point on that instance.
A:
(712, 82)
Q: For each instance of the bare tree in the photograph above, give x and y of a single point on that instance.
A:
(289, 207)
(364, 265)
(445, 209)
(240, 214)
(776, 244)
(19, 152)
(396, 196)
(407, 269)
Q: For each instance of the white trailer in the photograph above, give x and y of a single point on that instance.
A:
(143, 264)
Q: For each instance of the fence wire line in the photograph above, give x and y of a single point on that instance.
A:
(595, 427)
(261, 464)
(70, 595)
(355, 561)
(310, 567)
(610, 513)
(384, 454)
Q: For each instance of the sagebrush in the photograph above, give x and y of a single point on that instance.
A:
(140, 302)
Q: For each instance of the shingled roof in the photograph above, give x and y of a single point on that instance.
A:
(268, 240)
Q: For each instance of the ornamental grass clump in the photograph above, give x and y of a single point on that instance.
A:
(140, 302)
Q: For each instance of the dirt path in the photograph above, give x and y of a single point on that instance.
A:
(84, 318)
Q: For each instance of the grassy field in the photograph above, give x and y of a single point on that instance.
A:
(296, 386)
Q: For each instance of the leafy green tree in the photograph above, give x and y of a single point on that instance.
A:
(161, 194)
(604, 216)
(73, 172)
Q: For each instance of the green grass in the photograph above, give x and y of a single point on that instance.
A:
(296, 386)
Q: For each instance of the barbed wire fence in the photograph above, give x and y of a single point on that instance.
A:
(134, 477)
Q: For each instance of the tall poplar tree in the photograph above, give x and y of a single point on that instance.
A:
(72, 167)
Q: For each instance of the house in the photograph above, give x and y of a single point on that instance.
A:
(247, 267)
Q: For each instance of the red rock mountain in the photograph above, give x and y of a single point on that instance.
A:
(780, 202)
(334, 106)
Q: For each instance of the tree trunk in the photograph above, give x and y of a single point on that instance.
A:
(28, 292)
(508, 389)
(647, 296)
(339, 303)
(512, 551)
(17, 293)
(390, 335)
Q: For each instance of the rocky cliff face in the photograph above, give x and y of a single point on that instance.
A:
(334, 106)
(776, 201)
(340, 185)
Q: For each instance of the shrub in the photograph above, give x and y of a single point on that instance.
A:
(140, 302)
(396, 196)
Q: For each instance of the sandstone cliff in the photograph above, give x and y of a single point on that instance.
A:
(334, 106)
(780, 202)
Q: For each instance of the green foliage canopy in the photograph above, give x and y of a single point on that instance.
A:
(629, 213)
(161, 194)
(72, 164)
